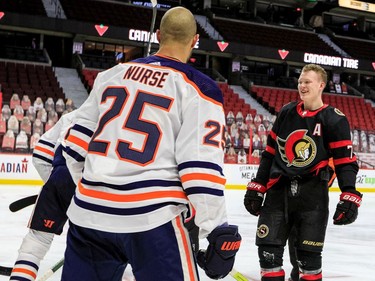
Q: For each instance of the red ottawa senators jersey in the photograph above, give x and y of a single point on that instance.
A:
(302, 141)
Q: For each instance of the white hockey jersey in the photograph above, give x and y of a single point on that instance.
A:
(148, 140)
(44, 151)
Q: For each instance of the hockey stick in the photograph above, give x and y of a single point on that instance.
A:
(51, 271)
(237, 275)
(4, 270)
(22, 203)
(154, 11)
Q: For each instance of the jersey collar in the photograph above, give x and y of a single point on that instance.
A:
(307, 113)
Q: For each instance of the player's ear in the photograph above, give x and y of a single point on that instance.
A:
(195, 39)
(158, 34)
(322, 85)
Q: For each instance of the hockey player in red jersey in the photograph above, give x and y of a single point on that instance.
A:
(146, 143)
(293, 177)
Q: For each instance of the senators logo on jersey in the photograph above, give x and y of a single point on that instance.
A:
(297, 149)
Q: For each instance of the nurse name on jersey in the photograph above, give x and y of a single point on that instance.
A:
(151, 77)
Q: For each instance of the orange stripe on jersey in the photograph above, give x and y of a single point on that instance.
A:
(201, 176)
(270, 150)
(272, 182)
(130, 197)
(344, 160)
(273, 135)
(186, 248)
(24, 271)
(78, 141)
(42, 149)
(340, 143)
(320, 165)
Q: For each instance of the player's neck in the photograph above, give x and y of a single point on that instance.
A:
(174, 53)
(311, 106)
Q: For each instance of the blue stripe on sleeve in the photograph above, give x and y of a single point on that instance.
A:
(42, 158)
(75, 155)
(46, 143)
(29, 263)
(200, 164)
(204, 190)
(83, 130)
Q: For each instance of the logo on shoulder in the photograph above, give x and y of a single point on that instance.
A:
(263, 231)
(339, 112)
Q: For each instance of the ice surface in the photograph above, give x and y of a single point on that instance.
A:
(348, 254)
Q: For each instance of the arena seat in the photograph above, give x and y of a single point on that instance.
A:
(33, 141)
(25, 102)
(271, 36)
(14, 101)
(8, 142)
(232, 101)
(31, 80)
(22, 143)
(358, 112)
(3, 125)
(350, 45)
(26, 125)
(13, 124)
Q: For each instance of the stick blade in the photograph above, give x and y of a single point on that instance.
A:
(6, 271)
(22, 203)
(237, 275)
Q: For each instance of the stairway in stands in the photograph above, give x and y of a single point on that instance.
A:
(72, 85)
(250, 100)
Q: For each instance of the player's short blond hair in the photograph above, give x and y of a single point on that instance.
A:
(317, 69)
(177, 25)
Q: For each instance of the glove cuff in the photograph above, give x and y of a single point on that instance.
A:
(355, 198)
(256, 187)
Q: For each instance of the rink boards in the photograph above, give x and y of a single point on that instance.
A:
(18, 169)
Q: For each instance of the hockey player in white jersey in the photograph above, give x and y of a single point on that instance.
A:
(49, 214)
(148, 141)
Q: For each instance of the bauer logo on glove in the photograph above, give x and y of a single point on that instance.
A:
(347, 208)
(352, 198)
(254, 197)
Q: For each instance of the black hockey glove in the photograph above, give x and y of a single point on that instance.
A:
(254, 197)
(347, 208)
(217, 261)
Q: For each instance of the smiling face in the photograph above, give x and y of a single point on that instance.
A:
(310, 88)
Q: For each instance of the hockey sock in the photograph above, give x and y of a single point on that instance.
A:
(25, 268)
(273, 274)
(311, 276)
(33, 249)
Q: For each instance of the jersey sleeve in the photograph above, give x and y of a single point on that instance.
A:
(44, 150)
(341, 147)
(77, 140)
(199, 156)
